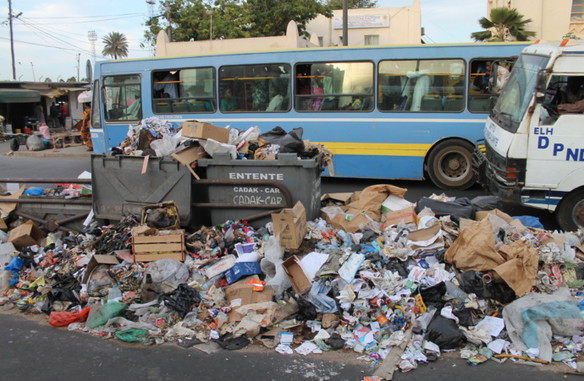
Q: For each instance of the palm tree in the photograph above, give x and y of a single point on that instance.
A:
(505, 25)
(115, 45)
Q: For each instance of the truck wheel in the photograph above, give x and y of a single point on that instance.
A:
(570, 212)
(450, 165)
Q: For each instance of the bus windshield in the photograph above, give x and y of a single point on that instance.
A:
(518, 91)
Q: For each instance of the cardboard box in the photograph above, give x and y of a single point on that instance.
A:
(188, 156)
(484, 213)
(407, 215)
(147, 248)
(219, 267)
(295, 273)
(290, 225)
(3, 225)
(99, 260)
(168, 206)
(241, 294)
(194, 129)
(26, 234)
(241, 269)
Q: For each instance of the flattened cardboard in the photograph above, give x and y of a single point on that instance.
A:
(98, 260)
(243, 291)
(290, 225)
(3, 225)
(26, 234)
(407, 215)
(295, 273)
(198, 130)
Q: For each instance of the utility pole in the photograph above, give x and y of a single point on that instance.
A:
(345, 22)
(78, 56)
(33, 76)
(11, 39)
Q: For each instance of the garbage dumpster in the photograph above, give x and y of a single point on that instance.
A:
(246, 190)
(122, 185)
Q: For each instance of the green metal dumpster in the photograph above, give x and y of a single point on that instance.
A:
(122, 185)
(252, 189)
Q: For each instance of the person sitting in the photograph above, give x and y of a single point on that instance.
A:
(228, 101)
(135, 109)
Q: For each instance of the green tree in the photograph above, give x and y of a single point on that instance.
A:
(338, 4)
(191, 19)
(115, 45)
(505, 24)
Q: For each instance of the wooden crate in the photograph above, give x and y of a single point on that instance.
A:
(147, 248)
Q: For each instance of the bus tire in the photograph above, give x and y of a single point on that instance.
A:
(570, 212)
(450, 165)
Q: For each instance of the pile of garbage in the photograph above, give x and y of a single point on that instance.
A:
(160, 138)
(375, 274)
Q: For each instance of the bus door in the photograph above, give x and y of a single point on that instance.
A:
(556, 137)
(121, 107)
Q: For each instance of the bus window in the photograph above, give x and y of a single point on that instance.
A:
(334, 86)
(421, 85)
(122, 97)
(95, 107)
(487, 77)
(184, 91)
(254, 88)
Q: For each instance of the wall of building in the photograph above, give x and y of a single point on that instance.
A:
(399, 25)
(550, 20)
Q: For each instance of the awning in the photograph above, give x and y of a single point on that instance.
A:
(19, 96)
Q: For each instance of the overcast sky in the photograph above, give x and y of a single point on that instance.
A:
(51, 37)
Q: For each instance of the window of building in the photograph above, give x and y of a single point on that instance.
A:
(577, 13)
(421, 85)
(184, 91)
(320, 41)
(121, 95)
(334, 86)
(371, 39)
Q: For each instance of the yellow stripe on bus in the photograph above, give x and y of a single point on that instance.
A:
(376, 149)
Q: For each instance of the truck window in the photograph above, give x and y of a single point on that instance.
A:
(564, 95)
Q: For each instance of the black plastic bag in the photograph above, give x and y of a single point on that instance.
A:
(289, 142)
(234, 343)
(182, 299)
(434, 296)
(445, 333)
(457, 209)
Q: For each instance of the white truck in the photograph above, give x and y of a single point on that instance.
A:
(534, 136)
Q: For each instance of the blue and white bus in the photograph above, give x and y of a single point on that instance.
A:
(385, 112)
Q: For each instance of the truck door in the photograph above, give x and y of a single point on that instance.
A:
(556, 136)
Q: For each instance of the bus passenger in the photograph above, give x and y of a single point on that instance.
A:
(227, 101)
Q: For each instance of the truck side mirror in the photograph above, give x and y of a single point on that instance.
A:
(540, 86)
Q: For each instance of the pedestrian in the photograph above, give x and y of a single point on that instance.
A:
(1, 128)
(63, 110)
(86, 123)
(54, 115)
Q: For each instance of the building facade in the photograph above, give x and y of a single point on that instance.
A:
(551, 20)
(370, 26)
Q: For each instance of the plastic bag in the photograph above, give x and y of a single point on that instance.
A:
(63, 319)
(445, 333)
(271, 265)
(167, 274)
(289, 142)
(100, 315)
(133, 335)
(459, 208)
(163, 147)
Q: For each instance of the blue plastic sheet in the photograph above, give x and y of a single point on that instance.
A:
(529, 221)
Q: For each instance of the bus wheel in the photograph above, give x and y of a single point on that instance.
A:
(570, 212)
(450, 165)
